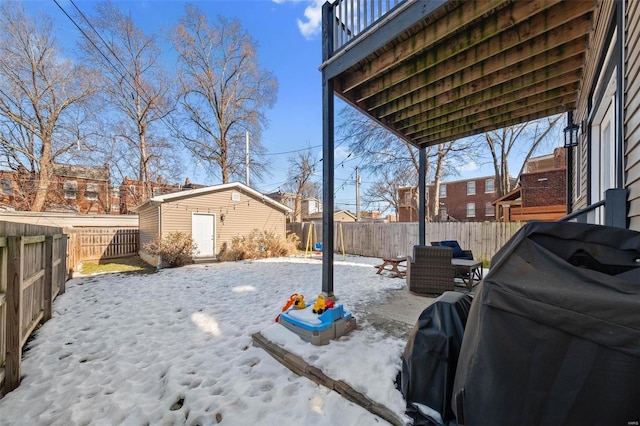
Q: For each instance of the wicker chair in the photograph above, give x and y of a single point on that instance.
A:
(429, 271)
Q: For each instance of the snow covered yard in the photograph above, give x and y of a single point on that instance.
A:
(175, 348)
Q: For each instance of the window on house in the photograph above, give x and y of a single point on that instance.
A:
(115, 193)
(157, 191)
(115, 208)
(443, 214)
(489, 209)
(70, 188)
(471, 209)
(443, 191)
(92, 191)
(132, 190)
(471, 188)
(7, 187)
(407, 198)
(235, 196)
(488, 186)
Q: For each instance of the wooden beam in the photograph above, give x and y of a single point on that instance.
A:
(514, 108)
(549, 29)
(488, 117)
(472, 130)
(566, 83)
(458, 87)
(555, 43)
(428, 36)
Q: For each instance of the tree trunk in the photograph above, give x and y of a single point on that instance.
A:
(44, 180)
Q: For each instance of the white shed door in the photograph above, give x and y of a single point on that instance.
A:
(203, 230)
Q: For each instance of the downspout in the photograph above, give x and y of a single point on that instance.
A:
(620, 98)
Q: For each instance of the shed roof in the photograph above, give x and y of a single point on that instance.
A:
(209, 189)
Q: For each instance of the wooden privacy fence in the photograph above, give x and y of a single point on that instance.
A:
(93, 244)
(32, 274)
(398, 238)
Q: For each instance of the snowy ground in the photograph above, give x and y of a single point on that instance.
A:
(175, 348)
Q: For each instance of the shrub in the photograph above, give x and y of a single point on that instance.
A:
(258, 245)
(176, 248)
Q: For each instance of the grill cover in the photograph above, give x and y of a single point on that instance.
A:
(553, 336)
(430, 357)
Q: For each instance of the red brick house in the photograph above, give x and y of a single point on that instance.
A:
(133, 192)
(468, 200)
(541, 193)
(73, 188)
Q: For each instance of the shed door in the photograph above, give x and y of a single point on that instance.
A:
(203, 231)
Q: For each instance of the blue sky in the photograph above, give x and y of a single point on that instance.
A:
(288, 33)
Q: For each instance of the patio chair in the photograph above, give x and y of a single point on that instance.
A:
(429, 270)
(458, 253)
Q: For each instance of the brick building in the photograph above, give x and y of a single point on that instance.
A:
(541, 193)
(73, 188)
(468, 200)
(132, 192)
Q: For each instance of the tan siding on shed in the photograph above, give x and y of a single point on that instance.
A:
(148, 224)
(240, 217)
(632, 112)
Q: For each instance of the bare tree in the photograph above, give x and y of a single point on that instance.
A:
(223, 93)
(302, 167)
(138, 89)
(394, 162)
(385, 188)
(43, 99)
(502, 143)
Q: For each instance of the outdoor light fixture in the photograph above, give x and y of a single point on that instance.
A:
(571, 132)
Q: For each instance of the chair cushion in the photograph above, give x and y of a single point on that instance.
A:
(457, 250)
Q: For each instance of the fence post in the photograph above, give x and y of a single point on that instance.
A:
(48, 277)
(14, 313)
(62, 275)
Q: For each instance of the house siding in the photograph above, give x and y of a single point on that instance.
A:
(240, 217)
(603, 16)
(632, 112)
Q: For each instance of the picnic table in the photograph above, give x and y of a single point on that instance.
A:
(393, 264)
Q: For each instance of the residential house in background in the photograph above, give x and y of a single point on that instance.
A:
(133, 192)
(338, 216)
(541, 193)
(289, 200)
(309, 207)
(467, 200)
(73, 188)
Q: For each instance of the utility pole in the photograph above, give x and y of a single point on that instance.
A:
(357, 195)
(246, 155)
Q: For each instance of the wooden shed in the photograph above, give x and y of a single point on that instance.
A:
(212, 215)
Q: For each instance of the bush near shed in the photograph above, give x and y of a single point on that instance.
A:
(259, 245)
(176, 248)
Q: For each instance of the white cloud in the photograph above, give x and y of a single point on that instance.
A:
(471, 166)
(311, 24)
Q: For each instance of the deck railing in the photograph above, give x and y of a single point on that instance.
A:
(352, 17)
